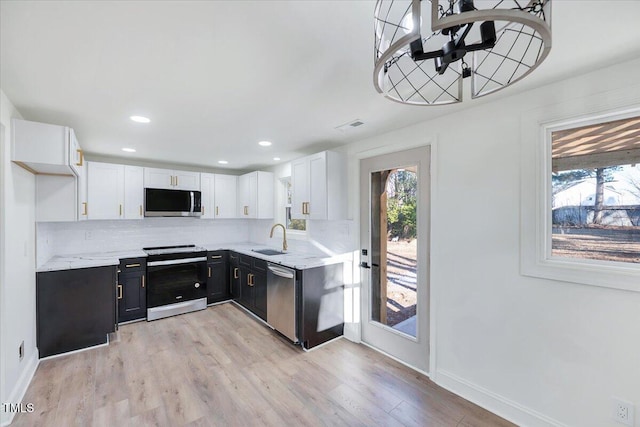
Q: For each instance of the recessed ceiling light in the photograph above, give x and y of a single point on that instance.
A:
(276, 158)
(129, 150)
(223, 162)
(264, 143)
(140, 119)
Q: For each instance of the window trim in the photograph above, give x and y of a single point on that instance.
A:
(535, 214)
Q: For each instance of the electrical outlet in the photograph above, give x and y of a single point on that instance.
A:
(623, 411)
(21, 351)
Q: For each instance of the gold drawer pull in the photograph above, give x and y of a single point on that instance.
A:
(216, 256)
(235, 273)
(132, 265)
(119, 291)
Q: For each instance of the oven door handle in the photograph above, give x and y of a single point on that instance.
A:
(176, 261)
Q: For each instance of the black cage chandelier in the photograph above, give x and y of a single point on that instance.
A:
(425, 48)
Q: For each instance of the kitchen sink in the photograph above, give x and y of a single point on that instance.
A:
(268, 251)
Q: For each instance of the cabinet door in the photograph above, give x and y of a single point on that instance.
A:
(259, 281)
(158, 178)
(186, 180)
(105, 191)
(218, 281)
(208, 195)
(234, 276)
(317, 208)
(133, 192)
(246, 288)
(247, 188)
(76, 156)
(132, 296)
(299, 187)
(82, 192)
(226, 188)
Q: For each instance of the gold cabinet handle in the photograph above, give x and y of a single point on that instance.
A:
(140, 210)
(120, 210)
(143, 280)
(217, 212)
(119, 291)
(235, 272)
(246, 210)
(84, 208)
(202, 209)
(176, 180)
(209, 271)
(216, 256)
(132, 265)
(81, 155)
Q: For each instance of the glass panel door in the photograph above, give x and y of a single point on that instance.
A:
(394, 230)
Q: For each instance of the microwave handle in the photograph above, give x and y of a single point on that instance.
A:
(191, 193)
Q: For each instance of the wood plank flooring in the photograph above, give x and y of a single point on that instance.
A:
(220, 367)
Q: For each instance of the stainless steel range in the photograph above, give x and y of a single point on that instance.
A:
(176, 280)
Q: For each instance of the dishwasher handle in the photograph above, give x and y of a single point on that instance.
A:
(286, 273)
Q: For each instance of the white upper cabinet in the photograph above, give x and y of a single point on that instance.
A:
(105, 191)
(133, 192)
(44, 148)
(115, 191)
(226, 188)
(171, 179)
(255, 195)
(318, 186)
(218, 195)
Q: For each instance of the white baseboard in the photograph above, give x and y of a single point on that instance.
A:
(499, 405)
(17, 394)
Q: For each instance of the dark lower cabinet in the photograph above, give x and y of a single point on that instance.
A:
(218, 286)
(74, 308)
(253, 285)
(234, 275)
(320, 304)
(132, 290)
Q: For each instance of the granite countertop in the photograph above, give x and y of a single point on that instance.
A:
(96, 259)
(297, 260)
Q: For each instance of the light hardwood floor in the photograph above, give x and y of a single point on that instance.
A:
(221, 367)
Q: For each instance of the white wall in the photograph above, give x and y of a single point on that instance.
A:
(17, 278)
(537, 351)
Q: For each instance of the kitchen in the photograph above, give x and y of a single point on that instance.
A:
(481, 304)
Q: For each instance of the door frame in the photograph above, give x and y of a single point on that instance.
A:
(362, 278)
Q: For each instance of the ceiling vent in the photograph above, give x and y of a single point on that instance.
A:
(347, 127)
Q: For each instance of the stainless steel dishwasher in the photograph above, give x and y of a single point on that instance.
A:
(281, 300)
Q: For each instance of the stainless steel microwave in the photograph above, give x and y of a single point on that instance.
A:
(162, 202)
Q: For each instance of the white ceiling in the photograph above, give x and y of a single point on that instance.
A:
(217, 77)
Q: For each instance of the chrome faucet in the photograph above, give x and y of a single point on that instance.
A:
(284, 235)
